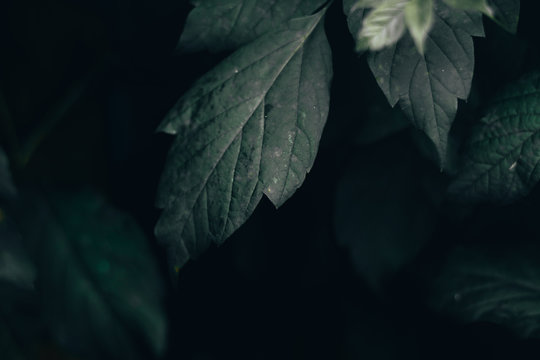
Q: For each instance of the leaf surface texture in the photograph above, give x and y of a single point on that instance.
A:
(251, 126)
(502, 156)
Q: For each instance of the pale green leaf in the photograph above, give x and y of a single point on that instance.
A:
(419, 20)
(502, 160)
(495, 284)
(217, 25)
(251, 126)
(382, 26)
(428, 85)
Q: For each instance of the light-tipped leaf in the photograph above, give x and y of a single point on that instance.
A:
(419, 20)
(251, 126)
(428, 85)
(383, 26)
(216, 25)
(502, 157)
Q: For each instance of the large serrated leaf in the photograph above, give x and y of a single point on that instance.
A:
(503, 154)
(99, 286)
(217, 25)
(249, 126)
(495, 284)
(427, 86)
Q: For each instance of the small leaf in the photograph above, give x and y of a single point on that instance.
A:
(383, 26)
(7, 189)
(419, 20)
(217, 25)
(503, 153)
(100, 289)
(386, 208)
(495, 284)
(427, 86)
(250, 126)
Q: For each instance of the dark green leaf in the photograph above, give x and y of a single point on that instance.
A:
(428, 86)
(495, 284)
(217, 25)
(503, 153)
(249, 126)
(99, 285)
(7, 189)
(386, 207)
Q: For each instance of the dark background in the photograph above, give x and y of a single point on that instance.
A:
(98, 76)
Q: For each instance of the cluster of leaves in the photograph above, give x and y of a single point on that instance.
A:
(252, 127)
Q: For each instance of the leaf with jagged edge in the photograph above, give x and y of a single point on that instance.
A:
(250, 126)
(427, 86)
(502, 160)
(217, 25)
(497, 284)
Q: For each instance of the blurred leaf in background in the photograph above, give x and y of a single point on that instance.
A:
(386, 207)
(98, 285)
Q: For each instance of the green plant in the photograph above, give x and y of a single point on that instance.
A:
(422, 196)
